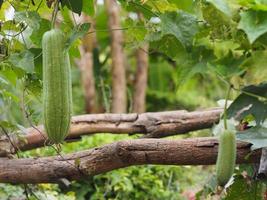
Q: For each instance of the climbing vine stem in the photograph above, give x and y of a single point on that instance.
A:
(54, 14)
(225, 106)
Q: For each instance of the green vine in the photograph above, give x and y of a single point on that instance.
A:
(54, 14)
(225, 107)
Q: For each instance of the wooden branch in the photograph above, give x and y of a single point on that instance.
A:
(154, 125)
(194, 151)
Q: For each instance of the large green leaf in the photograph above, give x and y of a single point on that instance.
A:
(245, 104)
(23, 60)
(74, 5)
(88, 7)
(37, 34)
(135, 32)
(244, 189)
(170, 46)
(254, 23)
(256, 136)
(31, 18)
(222, 6)
(180, 24)
(227, 66)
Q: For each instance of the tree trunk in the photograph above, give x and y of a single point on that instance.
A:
(119, 97)
(75, 166)
(140, 85)
(141, 75)
(87, 68)
(157, 125)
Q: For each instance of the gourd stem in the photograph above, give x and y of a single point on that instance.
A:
(54, 14)
(225, 107)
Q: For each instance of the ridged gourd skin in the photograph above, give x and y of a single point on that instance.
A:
(226, 157)
(57, 94)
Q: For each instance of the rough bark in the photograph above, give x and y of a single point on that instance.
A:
(119, 98)
(140, 85)
(157, 125)
(195, 151)
(87, 68)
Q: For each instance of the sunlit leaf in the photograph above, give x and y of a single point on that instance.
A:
(180, 24)
(254, 23)
(222, 6)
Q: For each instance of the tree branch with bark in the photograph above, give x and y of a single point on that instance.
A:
(76, 166)
(152, 124)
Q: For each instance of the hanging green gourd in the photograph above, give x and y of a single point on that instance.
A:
(226, 152)
(226, 157)
(57, 97)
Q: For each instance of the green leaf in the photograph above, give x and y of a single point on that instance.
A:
(1, 2)
(254, 4)
(170, 46)
(246, 104)
(256, 136)
(74, 5)
(44, 25)
(228, 66)
(78, 32)
(10, 75)
(23, 60)
(89, 7)
(10, 25)
(161, 5)
(254, 23)
(244, 189)
(31, 18)
(256, 67)
(222, 6)
(180, 24)
(186, 5)
(223, 48)
(135, 32)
